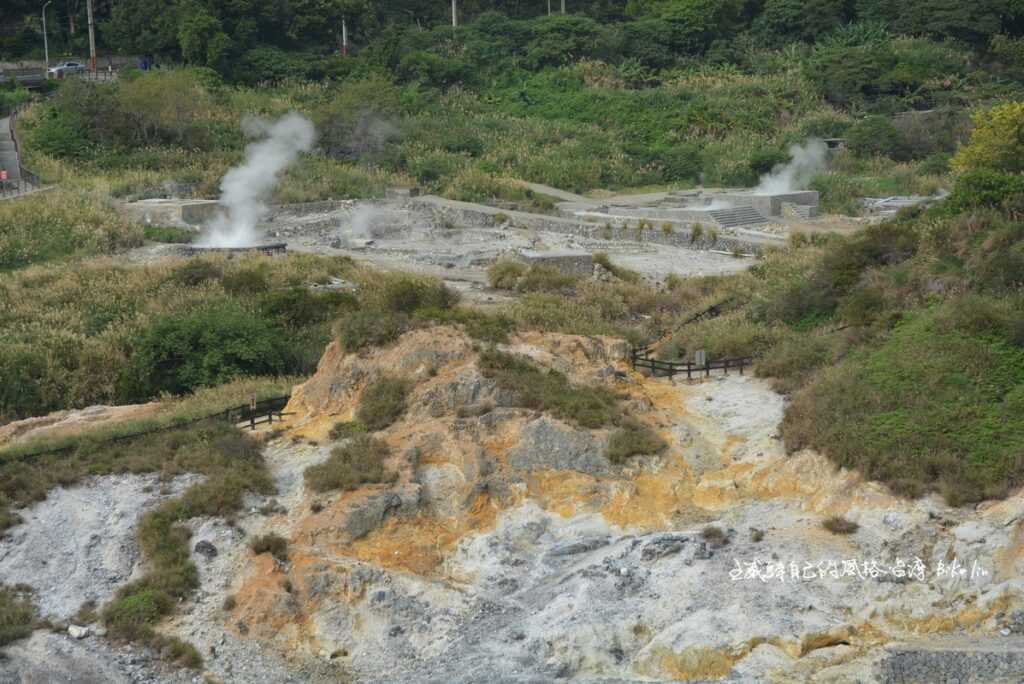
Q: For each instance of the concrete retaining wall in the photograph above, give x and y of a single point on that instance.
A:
(465, 213)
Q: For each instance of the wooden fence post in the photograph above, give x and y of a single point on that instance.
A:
(252, 412)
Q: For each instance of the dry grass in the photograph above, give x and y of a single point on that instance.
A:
(715, 536)
(16, 614)
(839, 525)
(632, 439)
(274, 544)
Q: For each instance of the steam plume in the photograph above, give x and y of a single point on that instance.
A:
(244, 188)
(805, 161)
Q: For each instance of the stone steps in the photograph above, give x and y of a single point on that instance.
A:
(738, 216)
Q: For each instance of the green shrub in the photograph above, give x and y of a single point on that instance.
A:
(631, 439)
(546, 279)
(550, 391)
(358, 462)
(618, 271)
(182, 351)
(479, 325)
(983, 188)
(274, 544)
(876, 135)
(196, 272)
(347, 429)
(382, 403)
(714, 536)
(132, 616)
(837, 524)
(889, 410)
(505, 273)
(363, 329)
(169, 234)
(406, 294)
(16, 615)
(297, 307)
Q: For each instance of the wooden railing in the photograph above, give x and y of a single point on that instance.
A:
(640, 358)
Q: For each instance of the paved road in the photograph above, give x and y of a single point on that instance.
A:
(8, 157)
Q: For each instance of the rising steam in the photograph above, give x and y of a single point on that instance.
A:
(805, 161)
(245, 187)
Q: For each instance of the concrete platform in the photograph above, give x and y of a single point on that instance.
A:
(186, 213)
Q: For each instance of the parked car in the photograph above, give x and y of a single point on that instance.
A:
(65, 68)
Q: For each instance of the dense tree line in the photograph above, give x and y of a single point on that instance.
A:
(257, 39)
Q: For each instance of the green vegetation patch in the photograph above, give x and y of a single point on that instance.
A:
(274, 544)
(169, 234)
(633, 438)
(383, 402)
(233, 467)
(96, 332)
(58, 224)
(551, 391)
(939, 404)
(17, 614)
(360, 461)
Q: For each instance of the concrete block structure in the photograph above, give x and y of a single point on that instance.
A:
(572, 262)
(188, 213)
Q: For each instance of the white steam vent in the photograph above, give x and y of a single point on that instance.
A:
(806, 161)
(245, 188)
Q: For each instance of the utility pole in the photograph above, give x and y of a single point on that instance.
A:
(46, 41)
(563, 6)
(549, 8)
(344, 38)
(92, 38)
(455, 16)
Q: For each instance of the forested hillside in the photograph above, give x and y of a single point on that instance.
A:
(614, 96)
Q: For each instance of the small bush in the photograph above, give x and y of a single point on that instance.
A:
(359, 462)
(839, 525)
(86, 614)
(618, 271)
(16, 615)
(382, 403)
(505, 273)
(363, 329)
(632, 439)
(229, 603)
(590, 407)
(486, 327)
(181, 351)
(132, 615)
(274, 544)
(714, 536)
(546, 279)
(168, 234)
(406, 294)
(196, 271)
(347, 429)
(177, 652)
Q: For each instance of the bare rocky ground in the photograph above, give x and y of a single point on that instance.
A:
(398, 236)
(509, 549)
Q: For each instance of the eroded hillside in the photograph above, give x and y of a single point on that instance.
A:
(494, 541)
(504, 543)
